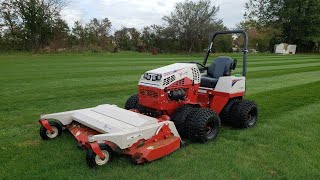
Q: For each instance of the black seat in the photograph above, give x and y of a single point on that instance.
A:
(221, 66)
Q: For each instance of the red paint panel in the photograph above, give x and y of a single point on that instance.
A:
(218, 103)
(159, 149)
(156, 147)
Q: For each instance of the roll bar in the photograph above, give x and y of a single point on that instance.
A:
(245, 48)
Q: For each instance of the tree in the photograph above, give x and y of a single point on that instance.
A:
(127, 39)
(60, 35)
(13, 31)
(298, 20)
(79, 35)
(261, 38)
(99, 32)
(153, 37)
(31, 21)
(192, 22)
(258, 12)
(122, 39)
(134, 38)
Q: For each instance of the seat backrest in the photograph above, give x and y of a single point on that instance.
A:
(221, 66)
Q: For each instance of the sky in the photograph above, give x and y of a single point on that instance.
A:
(140, 13)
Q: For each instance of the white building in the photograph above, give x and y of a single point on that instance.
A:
(285, 48)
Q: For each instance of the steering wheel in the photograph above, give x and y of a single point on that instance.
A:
(202, 68)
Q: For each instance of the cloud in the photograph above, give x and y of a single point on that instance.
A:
(137, 13)
(231, 11)
(71, 15)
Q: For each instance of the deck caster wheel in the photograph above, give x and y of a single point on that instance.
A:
(46, 134)
(93, 160)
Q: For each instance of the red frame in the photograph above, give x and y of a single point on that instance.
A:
(159, 100)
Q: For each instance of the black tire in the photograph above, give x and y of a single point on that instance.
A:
(93, 160)
(225, 114)
(148, 111)
(203, 125)
(46, 135)
(180, 116)
(245, 114)
(132, 102)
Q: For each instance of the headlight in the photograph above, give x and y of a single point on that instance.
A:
(153, 77)
(147, 76)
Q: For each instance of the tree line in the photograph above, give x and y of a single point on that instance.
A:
(37, 25)
(269, 22)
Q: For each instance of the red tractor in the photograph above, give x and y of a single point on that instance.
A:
(196, 97)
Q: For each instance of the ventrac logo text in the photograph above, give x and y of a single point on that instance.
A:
(235, 81)
(171, 72)
(183, 73)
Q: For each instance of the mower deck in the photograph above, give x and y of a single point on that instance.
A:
(144, 138)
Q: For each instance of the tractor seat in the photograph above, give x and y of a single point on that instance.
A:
(221, 66)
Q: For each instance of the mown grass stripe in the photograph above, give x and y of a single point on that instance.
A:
(263, 68)
(148, 67)
(270, 73)
(277, 82)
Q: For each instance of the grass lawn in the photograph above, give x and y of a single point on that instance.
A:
(285, 143)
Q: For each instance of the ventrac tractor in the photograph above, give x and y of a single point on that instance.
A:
(181, 100)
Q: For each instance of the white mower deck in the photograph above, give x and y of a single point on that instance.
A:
(116, 125)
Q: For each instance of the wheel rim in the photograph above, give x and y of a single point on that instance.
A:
(54, 134)
(211, 128)
(252, 117)
(104, 161)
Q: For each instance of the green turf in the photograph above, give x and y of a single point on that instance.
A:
(284, 144)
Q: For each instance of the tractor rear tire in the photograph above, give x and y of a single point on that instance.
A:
(245, 114)
(132, 102)
(46, 135)
(203, 125)
(180, 116)
(93, 160)
(225, 114)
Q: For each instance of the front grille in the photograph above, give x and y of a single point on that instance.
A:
(169, 80)
(179, 83)
(196, 74)
(149, 93)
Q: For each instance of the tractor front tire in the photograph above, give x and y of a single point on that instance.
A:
(203, 125)
(132, 102)
(46, 134)
(245, 114)
(93, 160)
(180, 117)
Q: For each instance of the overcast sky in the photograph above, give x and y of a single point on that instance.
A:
(140, 13)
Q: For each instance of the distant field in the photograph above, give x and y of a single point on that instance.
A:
(285, 143)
